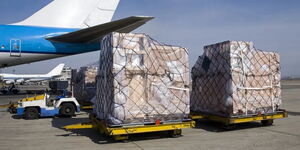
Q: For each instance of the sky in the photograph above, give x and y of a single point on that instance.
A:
(273, 25)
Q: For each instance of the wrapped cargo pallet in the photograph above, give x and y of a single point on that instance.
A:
(233, 78)
(141, 81)
(84, 83)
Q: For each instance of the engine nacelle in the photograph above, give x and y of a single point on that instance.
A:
(9, 82)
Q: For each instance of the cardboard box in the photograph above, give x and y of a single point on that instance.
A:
(84, 83)
(141, 81)
(233, 78)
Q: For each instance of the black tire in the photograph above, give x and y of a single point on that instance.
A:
(175, 133)
(67, 110)
(267, 122)
(31, 113)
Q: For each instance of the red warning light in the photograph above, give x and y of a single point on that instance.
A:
(157, 122)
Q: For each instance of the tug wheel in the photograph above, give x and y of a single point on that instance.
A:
(67, 110)
(31, 113)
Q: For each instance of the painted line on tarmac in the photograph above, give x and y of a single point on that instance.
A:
(137, 145)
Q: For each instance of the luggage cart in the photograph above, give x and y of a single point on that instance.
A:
(230, 122)
(123, 132)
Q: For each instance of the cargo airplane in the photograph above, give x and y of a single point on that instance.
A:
(62, 28)
(24, 78)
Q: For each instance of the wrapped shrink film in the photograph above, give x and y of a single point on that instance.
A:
(84, 83)
(140, 81)
(233, 78)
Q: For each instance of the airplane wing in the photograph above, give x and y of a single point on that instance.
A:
(94, 33)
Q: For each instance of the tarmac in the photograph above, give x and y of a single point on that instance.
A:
(46, 133)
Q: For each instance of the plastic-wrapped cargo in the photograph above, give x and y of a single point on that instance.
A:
(84, 86)
(233, 78)
(141, 81)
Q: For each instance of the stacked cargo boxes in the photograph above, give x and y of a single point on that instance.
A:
(141, 81)
(84, 86)
(233, 78)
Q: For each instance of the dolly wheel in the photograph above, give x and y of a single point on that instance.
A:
(229, 127)
(31, 113)
(267, 122)
(67, 110)
(175, 133)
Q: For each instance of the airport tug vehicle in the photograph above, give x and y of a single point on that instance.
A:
(58, 102)
(47, 105)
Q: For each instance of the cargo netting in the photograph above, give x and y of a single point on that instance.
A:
(233, 78)
(84, 83)
(141, 81)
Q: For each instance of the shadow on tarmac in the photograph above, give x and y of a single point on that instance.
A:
(90, 133)
(213, 126)
(14, 116)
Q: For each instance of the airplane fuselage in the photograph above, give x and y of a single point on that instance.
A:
(26, 44)
(23, 78)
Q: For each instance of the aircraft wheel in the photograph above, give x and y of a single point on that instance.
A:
(31, 113)
(67, 110)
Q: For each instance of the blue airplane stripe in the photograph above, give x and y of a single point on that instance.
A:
(41, 52)
(31, 39)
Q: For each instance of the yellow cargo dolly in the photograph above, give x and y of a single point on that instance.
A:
(86, 107)
(122, 133)
(266, 119)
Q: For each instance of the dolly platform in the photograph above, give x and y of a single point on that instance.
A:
(265, 119)
(122, 133)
